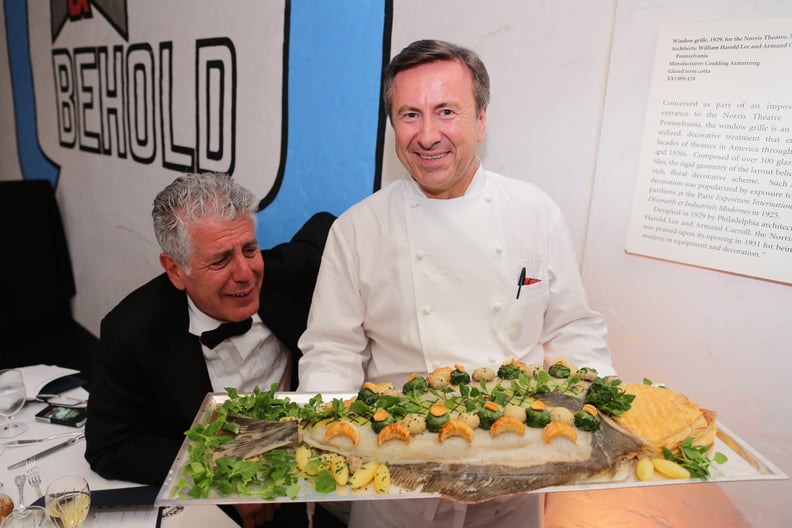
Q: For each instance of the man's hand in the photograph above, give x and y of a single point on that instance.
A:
(256, 515)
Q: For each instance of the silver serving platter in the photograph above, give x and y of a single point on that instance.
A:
(744, 463)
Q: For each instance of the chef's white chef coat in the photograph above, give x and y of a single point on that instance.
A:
(408, 284)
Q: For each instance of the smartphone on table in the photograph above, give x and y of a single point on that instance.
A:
(55, 414)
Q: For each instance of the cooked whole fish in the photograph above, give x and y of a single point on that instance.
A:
(469, 437)
(474, 483)
(488, 467)
(256, 437)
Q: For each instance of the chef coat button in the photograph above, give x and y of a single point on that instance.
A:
(496, 307)
(414, 204)
(491, 359)
(419, 255)
(427, 309)
(488, 198)
(498, 250)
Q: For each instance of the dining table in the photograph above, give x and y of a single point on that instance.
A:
(114, 503)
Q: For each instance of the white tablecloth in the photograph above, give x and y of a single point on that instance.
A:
(71, 461)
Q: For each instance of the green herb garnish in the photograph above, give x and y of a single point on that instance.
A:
(694, 458)
(272, 474)
(609, 397)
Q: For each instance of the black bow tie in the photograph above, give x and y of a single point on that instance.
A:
(212, 338)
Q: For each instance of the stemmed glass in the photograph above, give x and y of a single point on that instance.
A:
(12, 399)
(67, 501)
(29, 517)
(25, 516)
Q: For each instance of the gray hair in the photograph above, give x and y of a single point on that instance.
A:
(426, 51)
(189, 200)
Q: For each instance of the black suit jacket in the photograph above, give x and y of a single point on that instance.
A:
(152, 376)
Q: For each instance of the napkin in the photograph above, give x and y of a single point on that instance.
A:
(55, 379)
(132, 496)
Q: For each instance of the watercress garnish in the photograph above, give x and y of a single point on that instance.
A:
(609, 397)
(694, 458)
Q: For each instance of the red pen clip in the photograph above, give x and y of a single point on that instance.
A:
(525, 281)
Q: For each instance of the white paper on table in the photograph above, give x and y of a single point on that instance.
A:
(199, 516)
(128, 517)
(36, 377)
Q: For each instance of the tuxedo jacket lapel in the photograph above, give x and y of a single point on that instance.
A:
(183, 363)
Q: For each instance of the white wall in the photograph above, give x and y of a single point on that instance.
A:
(721, 338)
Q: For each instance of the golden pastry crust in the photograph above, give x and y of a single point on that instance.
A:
(664, 418)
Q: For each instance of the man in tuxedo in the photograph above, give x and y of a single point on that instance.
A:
(156, 368)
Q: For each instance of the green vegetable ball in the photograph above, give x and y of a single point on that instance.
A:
(368, 396)
(559, 370)
(534, 418)
(417, 385)
(434, 423)
(379, 426)
(487, 417)
(509, 372)
(459, 377)
(587, 422)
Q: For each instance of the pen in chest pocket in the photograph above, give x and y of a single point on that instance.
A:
(524, 280)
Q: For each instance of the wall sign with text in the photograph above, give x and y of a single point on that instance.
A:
(714, 186)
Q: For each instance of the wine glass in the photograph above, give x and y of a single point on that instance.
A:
(30, 517)
(12, 399)
(67, 501)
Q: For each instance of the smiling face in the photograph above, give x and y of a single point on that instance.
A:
(436, 126)
(226, 269)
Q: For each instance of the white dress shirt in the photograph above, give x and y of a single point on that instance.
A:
(255, 358)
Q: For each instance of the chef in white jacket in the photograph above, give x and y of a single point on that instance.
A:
(455, 264)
